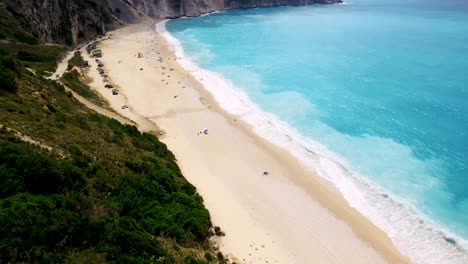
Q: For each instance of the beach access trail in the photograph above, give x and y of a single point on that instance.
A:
(287, 215)
(62, 68)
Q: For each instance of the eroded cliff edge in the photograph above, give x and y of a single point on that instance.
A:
(73, 21)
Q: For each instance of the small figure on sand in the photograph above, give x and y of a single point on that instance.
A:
(265, 173)
(205, 131)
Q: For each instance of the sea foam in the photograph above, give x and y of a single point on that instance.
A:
(414, 235)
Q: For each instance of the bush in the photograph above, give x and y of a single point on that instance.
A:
(220, 256)
(7, 80)
(26, 171)
(31, 226)
(21, 37)
(192, 260)
(209, 257)
(88, 198)
(80, 88)
(76, 60)
(27, 56)
(8, 62)
(88, 256)
(7, 73)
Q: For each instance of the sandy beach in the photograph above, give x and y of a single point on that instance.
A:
(287, 216)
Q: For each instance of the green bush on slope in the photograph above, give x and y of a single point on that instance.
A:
(105, 191)
(7, 73)
(82, 89)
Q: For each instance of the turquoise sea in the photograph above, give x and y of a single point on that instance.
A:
(372, 94)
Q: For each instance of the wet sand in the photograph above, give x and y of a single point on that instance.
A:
(287, 216)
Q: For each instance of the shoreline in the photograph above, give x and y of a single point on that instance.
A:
(316, 226)
(408, 229)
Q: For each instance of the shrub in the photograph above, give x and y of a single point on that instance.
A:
(21, 37)
(7, 73)
(27, 56)
(88, 198)
(220, 256)
(7, 80)
(209, 257)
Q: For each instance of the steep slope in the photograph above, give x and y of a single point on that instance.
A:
(72, 21)
(78, 187)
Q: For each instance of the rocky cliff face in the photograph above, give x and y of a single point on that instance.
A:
(72, 21)
(62, 21)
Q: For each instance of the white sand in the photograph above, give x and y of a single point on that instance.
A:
(288, 216)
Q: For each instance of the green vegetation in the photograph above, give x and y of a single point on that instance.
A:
(19, 43)
(39, 57)
(105, 192)
(82, 89)
(8, 70)
(76, 60)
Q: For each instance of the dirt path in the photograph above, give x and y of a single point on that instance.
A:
(99, 109)
(62, 68)
(63, 65)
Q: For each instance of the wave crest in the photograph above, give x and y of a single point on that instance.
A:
(415, 236)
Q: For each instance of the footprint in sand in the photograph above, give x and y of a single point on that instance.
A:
(203, 101)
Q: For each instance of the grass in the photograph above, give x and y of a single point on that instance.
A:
(82, 89)
(42, 58)
(76, 60)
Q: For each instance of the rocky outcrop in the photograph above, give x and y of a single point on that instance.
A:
(73, 21)
(62, 21)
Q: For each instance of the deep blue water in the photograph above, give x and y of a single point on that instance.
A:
(382, 84)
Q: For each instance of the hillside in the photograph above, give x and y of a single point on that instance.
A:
(78, 187)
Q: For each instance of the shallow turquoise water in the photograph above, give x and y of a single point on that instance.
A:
(382, 84)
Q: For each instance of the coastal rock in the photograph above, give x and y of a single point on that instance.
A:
(75, 21)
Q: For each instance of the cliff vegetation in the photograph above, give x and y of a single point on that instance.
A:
(78, 187)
